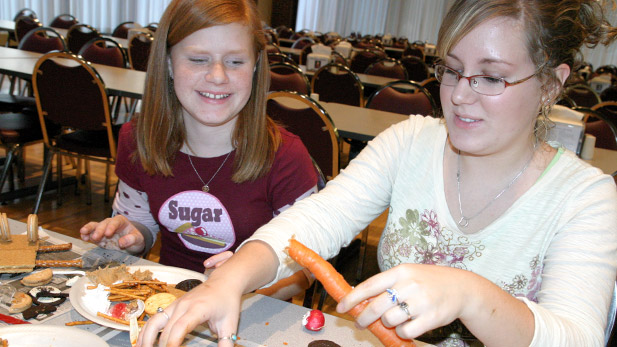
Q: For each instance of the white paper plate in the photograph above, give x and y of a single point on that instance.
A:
(169, 274)
(38, 335)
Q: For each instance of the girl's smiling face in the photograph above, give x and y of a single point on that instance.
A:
(481, 124)
(212, 72)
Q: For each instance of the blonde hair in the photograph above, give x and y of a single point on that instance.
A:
(160, 130)
(555, 32)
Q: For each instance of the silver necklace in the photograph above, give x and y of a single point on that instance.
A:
(464, 221)
(206, 188)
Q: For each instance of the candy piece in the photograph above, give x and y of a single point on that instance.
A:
(313, 320)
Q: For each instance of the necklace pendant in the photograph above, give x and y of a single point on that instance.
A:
(205, 188)
(463, 222)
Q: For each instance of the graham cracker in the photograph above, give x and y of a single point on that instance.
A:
(19, 255)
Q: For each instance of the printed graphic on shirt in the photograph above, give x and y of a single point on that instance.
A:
(200, 220)
(419, 238)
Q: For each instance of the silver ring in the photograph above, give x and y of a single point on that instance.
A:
(403, 305)
(161, 310)
(393, 295)
(232, 338)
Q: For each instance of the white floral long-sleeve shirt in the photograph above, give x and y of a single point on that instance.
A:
(555, 248)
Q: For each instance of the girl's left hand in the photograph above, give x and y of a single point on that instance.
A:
(435, 296)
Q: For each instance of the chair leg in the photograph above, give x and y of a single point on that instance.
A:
(8, 161)
(361, 255)
(107, 170)
(59, 175)
(46, 169)
(88, 183)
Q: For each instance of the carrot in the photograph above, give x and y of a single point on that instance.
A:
(337, 287)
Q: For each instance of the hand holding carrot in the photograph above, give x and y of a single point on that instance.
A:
(338, 288)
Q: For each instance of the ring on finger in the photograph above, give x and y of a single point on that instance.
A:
(393, 295)
(403, 305)
(162, 311)
(232, 337)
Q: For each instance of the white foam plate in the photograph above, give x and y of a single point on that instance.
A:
(169, 274)
(37, 335)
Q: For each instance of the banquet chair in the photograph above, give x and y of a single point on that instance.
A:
(338, 58)
(432, 85)
(417, 69)
(284, 32)
(279, 58)
(305, 118)
(414, 51)
(285, 76)
(87, 130)
(306, 50)
(609, 93)
(404, 97)
(302, 42)
(25, 12)
(271, 37)
(363, 59)
(582, 95)
(78, 35)
(337, 83)
(599, 125)
(152, 26)
(139, 50)
(387, 67)
(273, 48)
(122, 30)
(23, 25)
(42, 40)
(64, 21)
(103, 50)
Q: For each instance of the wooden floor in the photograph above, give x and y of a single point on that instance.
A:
(73, 213)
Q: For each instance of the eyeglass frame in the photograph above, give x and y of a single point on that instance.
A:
(468, 78)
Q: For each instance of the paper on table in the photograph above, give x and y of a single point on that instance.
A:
(588, 146)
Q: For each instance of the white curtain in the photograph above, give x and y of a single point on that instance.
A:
(414, 19)
(104, 15)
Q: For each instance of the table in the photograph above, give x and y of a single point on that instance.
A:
(118, 81)
(604, 159)
(263, 320)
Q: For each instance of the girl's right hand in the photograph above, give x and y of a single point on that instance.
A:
(114, 233)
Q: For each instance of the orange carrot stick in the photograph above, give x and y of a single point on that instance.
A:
(337, 287)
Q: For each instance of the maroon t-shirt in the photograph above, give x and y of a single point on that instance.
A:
(195, 225)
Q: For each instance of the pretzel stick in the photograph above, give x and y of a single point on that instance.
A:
(79, 322)
(5, 232)
(56, 248)
(60, 263)
(118, 320)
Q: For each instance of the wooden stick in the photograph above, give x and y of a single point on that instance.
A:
(60, 263)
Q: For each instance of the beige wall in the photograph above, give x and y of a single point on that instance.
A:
(265, 10)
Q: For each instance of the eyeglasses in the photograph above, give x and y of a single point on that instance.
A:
(481, 84)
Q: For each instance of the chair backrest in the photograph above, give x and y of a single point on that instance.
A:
(308, 120)
(598, 124)
(139, 50)
(25, 12)
(338, 58)
(404, 97)
(42, 40)
(337, 83)
(306, 50)
(122, 30)
(71, 94)
(609, 94)
(78, 35)
(582, 95)
(103, 50)
(24, 24)
(279, 58)
(388, 67)
(414, 50)
(433, 86)
(417, 69)
(285, 76)
(303, 42)
(152, 26)
(271, 36)
(284, 32)
(64, 21)
(363, 59)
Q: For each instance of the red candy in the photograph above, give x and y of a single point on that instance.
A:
(119, 310)
(313, 320)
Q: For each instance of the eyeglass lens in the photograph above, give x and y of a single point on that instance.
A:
(481, 84)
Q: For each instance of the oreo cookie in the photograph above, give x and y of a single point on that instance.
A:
(322, 343)
(187, 285)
